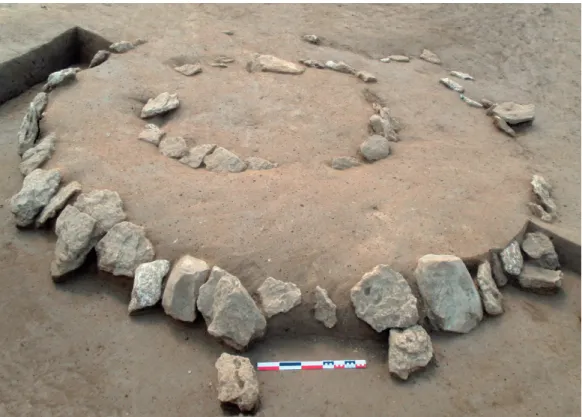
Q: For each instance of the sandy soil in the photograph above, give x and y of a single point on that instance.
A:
(454, 184)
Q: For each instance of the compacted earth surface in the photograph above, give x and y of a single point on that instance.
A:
(454, 184)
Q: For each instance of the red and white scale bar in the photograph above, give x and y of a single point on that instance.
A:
(311, 365)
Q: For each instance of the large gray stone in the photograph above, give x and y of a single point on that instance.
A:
(222, 160)
(161, 104)
(375, 148)
(183, 286)
(151, 134)
(257, 164)
(344, 162)
(147, 285)
(58, 202)
(237, 382)
(514, 113)
(540, 280)
(430, 56)
(383, 299)
(75, 238)
(229, 311)
(490, 295)
(99, 58)
(409, 350)
(40, 102)
(37, 189)
(538, 247)
(37, 155)
(325, 309)
(497, 269)
(123, 249)
(173, 147)
(104, 206)
(278, 296)
(196, 155)
(446, 286)
(28, 132)
(269, 63)
(542, 191)
(512, 258)
(62, 77)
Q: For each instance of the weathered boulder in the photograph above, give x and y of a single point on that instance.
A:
(344, 162)
(542, 192)
(257, 164)
(147, 285)
(340, 66)
(538, 247)
(37, 155)
(123, 249)
(237, 382)
(430, 56)
(497, 268)
(383, 299)
(269, 63)
(196, 155)
(189, 69)
(446, 286)
(37, 189)
(99, 58)
(514, 113)
(173, 147)
(490, 295)
(409, 350)
(40, 102)
(152, 134)
(314, 39)
(325, 309)
(229, 311)
(28, 132)
(121, 47)
(375, 148)
(58, 202)
(222, 160)
(512, 259)
(540, 280)
(104, 206)
(163, 103)
(278, 296)
(366, 77)
(62, 77)
(183, 286)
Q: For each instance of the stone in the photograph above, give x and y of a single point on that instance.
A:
(151, 134)
(487, 103)
(538, 247)
(229, 311)
(389, 123)
(183, 286)
(512, 259)
(218, 65)
(344, 162)
(278, 296)
(514, 113)
(385, 60)
(222, 160)
(104, 206)
(61, 77)
(75, 239)
(269, 63)
(173, 147)
(196, 155)
(312, 63)
(471, 102)
(222, 59)
(189, 69)
(58, 202)
(163, 103)
(314, 39)
(497, 269)
(325, 309)
(40, 102)
(123, 249)
(430, 56)
(99, 58)
(147, 285)
(257, 164)
(28, 132)
(503, 126)
(366, 77)
(237, 382)
(374, 148)
(383, 127)
(453, 85)
(450, 295)
(542, 191)
(37, 189)
(490, 295)
(228, 32)
(37, 155)
(121, 47)
(139, 41)
(538, 211)
(383, 299)
(399, 58)
(461, 75)
(340, 66)
(409, 350)
(540, 280)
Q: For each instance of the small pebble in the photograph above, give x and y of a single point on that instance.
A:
(385, 60)
(314, 39)
(228, 32)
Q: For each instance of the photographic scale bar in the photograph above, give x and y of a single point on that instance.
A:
(311, 365)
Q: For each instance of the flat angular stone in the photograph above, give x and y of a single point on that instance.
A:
(147, 285)
(497, 269)
(490, 295)
(374, 148)
(383, 299)
(512, 259)
(40, 102)
(409, 350)
(99, 58)
(540, 280)
(189, 69)
(36, 156)
(430, 56)
(222, 160)
(278, 296)
(461, 75)
(538, 247)
(269, 63)
(173, 147)
(163, 103)
(58, 202)
(366, 77)
(37, 189)
(196, 155)
(340, 66)
(104, 206)
(514, 113)
(151, 134)
(237, 382)
(62, 77)
(325, 309)
(258, 164)
(344, 162)
(28, 132)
